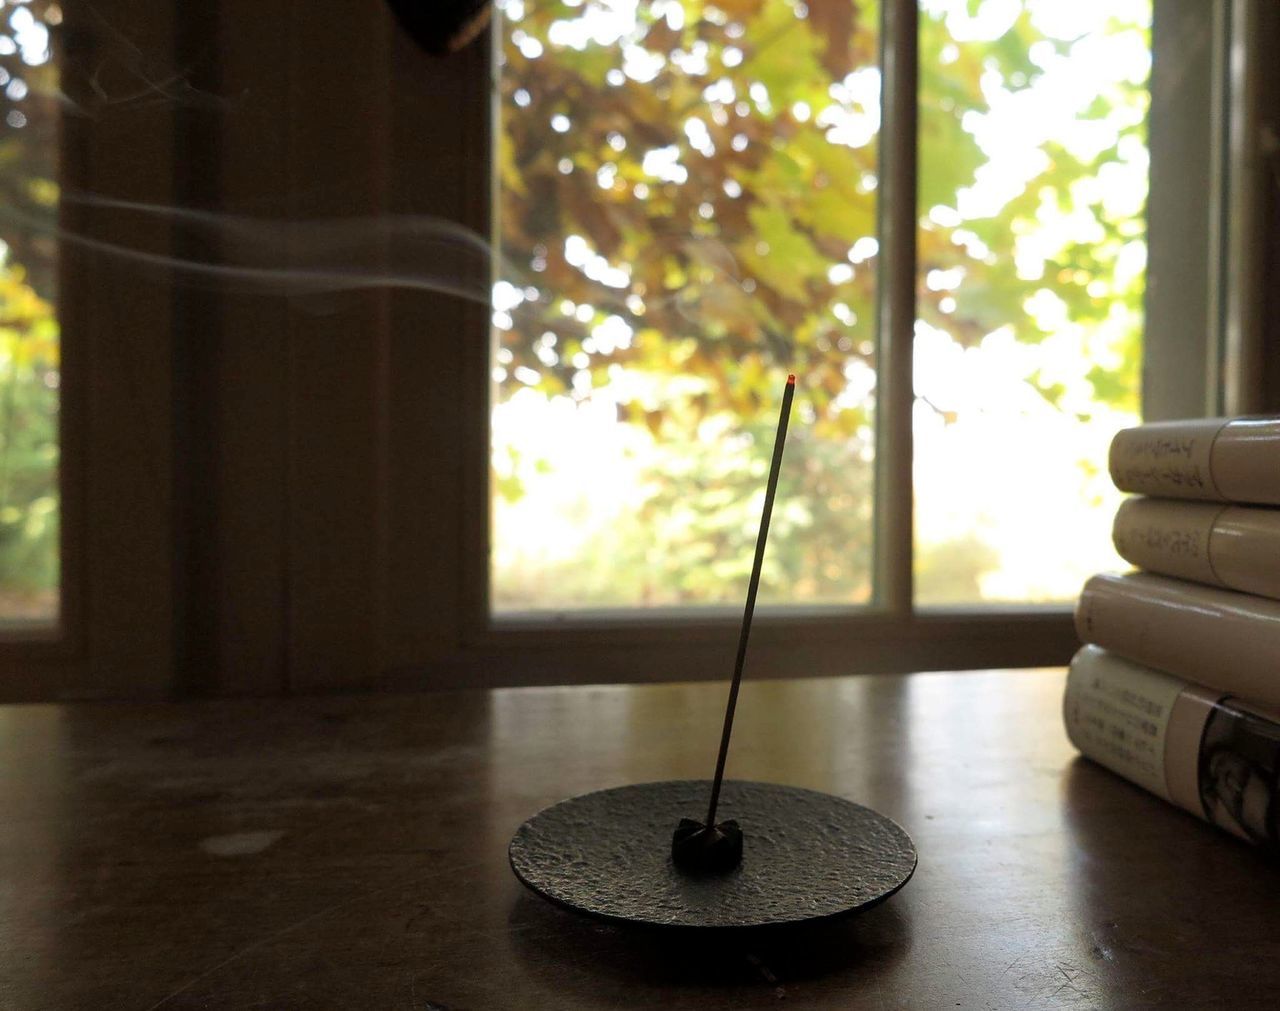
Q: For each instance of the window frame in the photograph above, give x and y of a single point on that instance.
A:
(254, 503)
(890, 634)
(113, 633)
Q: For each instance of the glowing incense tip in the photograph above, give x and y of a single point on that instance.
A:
(791, 380)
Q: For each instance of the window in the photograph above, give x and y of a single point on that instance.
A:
(688, 209)
(678, 231)
(29, 341)
(1032, 256)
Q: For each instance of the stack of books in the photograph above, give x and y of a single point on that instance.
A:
(1178, 685)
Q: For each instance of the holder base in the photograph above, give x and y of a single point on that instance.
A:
(807, 856)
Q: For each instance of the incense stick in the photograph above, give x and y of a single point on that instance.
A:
(774, 467)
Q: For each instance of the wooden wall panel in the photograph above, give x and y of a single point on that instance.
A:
(336, 128)
(245, 578)
(119, 390)
(434, 530)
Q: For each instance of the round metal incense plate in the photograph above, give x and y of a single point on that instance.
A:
(807, 856)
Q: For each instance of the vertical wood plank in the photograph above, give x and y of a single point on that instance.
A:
(436, 526)
(194, 339)
(239, 560)
(119, 380)
(337, 132)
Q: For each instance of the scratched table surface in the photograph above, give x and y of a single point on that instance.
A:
(351, 852)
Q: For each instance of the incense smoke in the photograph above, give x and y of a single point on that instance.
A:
(289, 257)
(314, 257)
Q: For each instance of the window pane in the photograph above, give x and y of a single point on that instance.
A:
(686, 214)
(28, 327)
(1033, 181)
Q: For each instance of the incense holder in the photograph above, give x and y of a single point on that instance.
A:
(701, 849)
(806, 857)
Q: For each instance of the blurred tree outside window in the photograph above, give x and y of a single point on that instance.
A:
(687, 212)
(1032, 255)
(29, 339)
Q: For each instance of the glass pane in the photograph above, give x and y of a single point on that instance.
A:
(686, 214)
(1032, 253)
(29, 556)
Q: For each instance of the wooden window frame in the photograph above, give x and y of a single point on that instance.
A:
(257, 502)
(892, 633)
(888, 634)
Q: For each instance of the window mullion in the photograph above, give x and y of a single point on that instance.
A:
(1248, 177)
(896, 210)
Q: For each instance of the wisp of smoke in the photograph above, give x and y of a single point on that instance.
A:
(290, 257)
(278, 256)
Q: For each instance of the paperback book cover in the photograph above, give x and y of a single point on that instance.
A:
(1211, 754)
(1237, 547)
(1226, 640)
(1216, 459)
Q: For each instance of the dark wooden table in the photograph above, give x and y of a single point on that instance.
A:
(351, 852)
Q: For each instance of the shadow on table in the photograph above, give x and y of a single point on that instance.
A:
(610, 962)
(1108, 816)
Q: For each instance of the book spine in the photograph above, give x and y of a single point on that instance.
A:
(1211, 755)
(1237, 547)
(1227, 640)
(1170, 459)
(1212, 459)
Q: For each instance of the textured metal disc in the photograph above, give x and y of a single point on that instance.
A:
(807, 856)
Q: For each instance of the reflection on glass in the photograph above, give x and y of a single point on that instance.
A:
(29, 559)
(1032, 254)
(686, 213)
